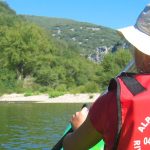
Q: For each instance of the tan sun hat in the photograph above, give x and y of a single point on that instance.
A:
(139, 34)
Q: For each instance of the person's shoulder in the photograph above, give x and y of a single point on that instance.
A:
(108, 95)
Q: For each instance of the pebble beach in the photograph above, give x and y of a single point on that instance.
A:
(44, 98)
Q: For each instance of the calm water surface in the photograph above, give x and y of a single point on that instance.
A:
(33, 126)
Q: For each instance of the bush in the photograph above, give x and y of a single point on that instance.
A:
(7, 78)
(53, 94)
(61, 87)
(43, 89)
(90, 87)
(28, 92)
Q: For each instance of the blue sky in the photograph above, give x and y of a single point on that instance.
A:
(112, 13)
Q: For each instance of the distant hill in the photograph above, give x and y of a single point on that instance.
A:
(5, 9)
(32, 60)
(94, 40)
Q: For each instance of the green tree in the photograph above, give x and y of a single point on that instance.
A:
(21, 46)
(112, 65)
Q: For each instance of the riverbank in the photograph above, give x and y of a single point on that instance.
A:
(44, 98)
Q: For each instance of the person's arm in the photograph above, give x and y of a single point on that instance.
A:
(83, 137)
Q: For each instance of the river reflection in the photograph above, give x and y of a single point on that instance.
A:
(33, 126)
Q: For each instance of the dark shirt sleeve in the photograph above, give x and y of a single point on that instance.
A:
(103, 116)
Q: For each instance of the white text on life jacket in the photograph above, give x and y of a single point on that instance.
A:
(144, 124)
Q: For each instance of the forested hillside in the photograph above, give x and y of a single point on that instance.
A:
(95, 41)
(32, 61)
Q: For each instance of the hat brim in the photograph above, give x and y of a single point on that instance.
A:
(137, 38)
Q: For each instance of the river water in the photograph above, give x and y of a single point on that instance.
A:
(27, 126)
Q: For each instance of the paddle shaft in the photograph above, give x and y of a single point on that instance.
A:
(59, 145)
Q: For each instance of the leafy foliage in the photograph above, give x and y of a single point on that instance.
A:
(32, 61)
(112, 65)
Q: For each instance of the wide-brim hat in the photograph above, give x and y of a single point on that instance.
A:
(139, 34)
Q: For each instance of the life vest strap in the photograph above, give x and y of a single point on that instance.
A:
(133, 85)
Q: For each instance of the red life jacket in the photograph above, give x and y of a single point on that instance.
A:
(133, 100)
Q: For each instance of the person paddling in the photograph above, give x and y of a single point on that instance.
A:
(121, 116)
